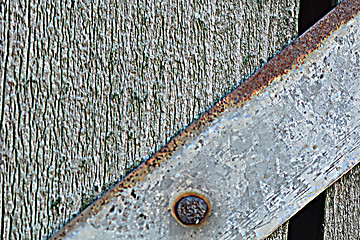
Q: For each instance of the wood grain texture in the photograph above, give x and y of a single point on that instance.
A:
(342, 207)
(281, 233)
(90, 89)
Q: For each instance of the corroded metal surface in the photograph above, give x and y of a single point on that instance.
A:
(259, 155)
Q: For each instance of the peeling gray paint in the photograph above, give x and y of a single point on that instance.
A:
(258, 164)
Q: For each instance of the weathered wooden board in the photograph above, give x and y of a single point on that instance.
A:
(259, 155)
(89, 89)
(342, 209)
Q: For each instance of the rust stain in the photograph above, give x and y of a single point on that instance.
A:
(293, 54)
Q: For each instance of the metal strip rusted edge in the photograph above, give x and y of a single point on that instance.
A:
(293, 54)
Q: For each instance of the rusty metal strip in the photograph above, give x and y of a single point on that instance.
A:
(293, 55)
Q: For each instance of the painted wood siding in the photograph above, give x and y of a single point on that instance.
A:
(342, 207)
(90, 89)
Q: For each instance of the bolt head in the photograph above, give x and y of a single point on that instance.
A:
(191, 209)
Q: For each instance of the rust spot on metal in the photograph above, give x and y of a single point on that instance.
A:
(288, 58)
(191, 209)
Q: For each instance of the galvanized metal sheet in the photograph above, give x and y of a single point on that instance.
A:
(259, 155)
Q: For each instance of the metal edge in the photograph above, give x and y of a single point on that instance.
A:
(291, 55)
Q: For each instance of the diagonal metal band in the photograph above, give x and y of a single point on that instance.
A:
(259, 155)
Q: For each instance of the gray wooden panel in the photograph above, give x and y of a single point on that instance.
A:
(342, 209)
(90, 89)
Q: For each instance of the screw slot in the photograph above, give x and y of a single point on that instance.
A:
(191, 209)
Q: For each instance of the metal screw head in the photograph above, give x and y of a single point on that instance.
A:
(191, 209)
